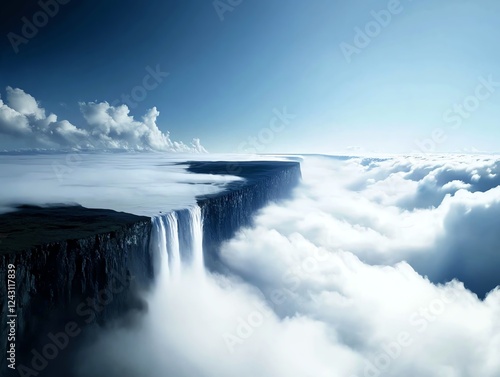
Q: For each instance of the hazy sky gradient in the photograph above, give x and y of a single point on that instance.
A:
(228, 76)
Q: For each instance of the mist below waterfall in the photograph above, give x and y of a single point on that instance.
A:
(320, 284)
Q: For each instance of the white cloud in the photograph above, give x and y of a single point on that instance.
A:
(107, 127)
(24, 103)
(12, 122)
(326, 284)
(138, 183)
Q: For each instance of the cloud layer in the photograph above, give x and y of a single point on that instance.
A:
(107, 127)
(332, 283)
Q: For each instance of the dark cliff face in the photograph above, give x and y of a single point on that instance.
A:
(224, 213)
(82, 281)
(98, 274)
(31, 226)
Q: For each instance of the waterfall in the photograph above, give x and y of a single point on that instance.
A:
(159, 246)
(168, 232)
(172, 226)
(197, 239)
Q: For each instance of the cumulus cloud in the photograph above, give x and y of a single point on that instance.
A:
(106, 127)
(23, 117)
(333, 283)
(24, 103)
(12, 122)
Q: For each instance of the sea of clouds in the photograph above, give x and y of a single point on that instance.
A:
(375, 267)
(141, 183)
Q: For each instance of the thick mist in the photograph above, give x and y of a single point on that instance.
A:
(334, 282)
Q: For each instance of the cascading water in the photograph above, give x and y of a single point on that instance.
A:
(159, 246)
(197, 240)
(172, 235)
(193, 238)
(168, 232)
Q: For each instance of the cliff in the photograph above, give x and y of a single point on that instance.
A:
(224, 213)
(58, 275)
(83, 266)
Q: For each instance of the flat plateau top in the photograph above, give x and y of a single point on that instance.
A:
(140, 183)
(32, 225)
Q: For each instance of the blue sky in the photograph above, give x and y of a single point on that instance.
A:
(228, 77)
